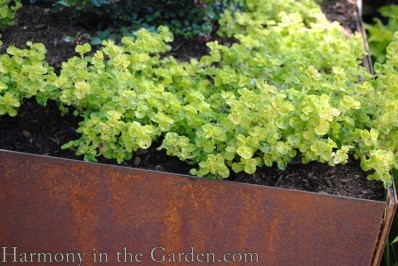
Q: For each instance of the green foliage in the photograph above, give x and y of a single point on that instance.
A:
(383, 112)
(292, 85)
(380, 35)
(257, 14)
(190, 18)
(118, 95)
(23, 74)
(288, 88)
(8, 8)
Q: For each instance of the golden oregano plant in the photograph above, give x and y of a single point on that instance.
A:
(8, 8)
(291, 86)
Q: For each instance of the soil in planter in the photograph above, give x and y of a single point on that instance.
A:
(342, 11)
(42, 130)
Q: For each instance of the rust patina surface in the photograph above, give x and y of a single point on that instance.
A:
(58, 206)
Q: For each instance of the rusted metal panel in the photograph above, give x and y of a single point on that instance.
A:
(58, 206)
(389, 214)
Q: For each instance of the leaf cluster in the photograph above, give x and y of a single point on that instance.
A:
(292, 86)
(8, 8)
(380, 34)
(190, 18)
(24, 73)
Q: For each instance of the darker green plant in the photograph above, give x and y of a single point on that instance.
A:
(190, 18)
(380, 35)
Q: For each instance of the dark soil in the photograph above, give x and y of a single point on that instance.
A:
(38, 24)
(42, 130)
(343, 11)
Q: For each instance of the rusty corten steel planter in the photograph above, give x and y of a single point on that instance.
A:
(56, 206)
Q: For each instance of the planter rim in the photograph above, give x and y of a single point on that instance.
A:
(390, 191)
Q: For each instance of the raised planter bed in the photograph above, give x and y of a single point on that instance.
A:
(54, 205)
(57, 206)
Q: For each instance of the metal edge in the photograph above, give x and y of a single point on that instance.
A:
(193, 178)
(391, 195)
(389, 214)
(367, 60)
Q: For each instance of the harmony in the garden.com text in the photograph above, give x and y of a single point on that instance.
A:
(125, 255)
